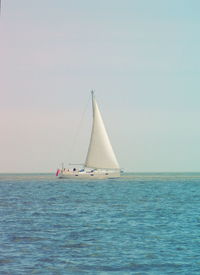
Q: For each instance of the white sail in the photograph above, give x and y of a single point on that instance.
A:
(100, 153)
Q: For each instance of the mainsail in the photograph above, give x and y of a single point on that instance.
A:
(100, 153)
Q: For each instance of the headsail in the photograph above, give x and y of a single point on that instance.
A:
(100, 153)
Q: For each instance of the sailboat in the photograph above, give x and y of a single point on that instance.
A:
(100, 162)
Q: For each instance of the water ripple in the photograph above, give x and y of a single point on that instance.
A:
(139, 224)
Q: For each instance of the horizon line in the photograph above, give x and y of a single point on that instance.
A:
(126, 172)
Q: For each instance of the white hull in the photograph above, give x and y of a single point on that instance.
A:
(89, 175)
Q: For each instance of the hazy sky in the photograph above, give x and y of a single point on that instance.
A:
(141, 57)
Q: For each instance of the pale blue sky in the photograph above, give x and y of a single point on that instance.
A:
(141, 57)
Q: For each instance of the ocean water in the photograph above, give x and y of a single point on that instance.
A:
(138, 224)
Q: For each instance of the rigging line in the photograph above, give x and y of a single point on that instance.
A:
(78, 128)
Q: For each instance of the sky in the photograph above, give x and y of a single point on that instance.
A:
(141, 57)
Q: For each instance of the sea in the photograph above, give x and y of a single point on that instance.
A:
(141, 224)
